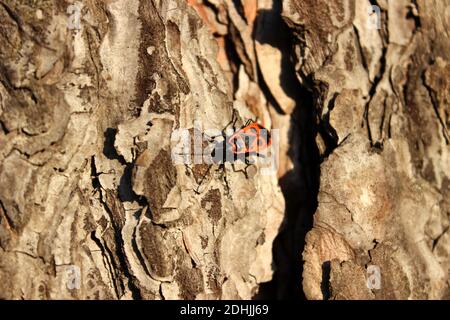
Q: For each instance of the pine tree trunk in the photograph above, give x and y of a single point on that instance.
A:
(94, 97)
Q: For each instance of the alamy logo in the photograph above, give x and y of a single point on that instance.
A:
(74, 11)
(73, 277)
(373, 277)
(374, 19)
(252, 144)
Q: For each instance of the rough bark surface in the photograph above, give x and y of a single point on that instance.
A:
(86, 171)
(87, 180)
(383, 102)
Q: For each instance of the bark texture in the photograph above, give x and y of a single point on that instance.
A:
(87, 180)
(383, 102)
(86, 171)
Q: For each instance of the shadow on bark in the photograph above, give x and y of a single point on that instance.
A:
(301, 184)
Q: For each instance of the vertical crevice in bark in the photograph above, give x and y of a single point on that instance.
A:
(119, 265)
(300, 189)
(325, 284)
(299, 185)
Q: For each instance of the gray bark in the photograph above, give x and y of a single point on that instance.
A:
(93, 207)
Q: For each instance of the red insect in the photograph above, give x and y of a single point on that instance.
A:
(251, 139)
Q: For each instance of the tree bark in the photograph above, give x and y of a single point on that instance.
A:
(382, 100)
(94, 93)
